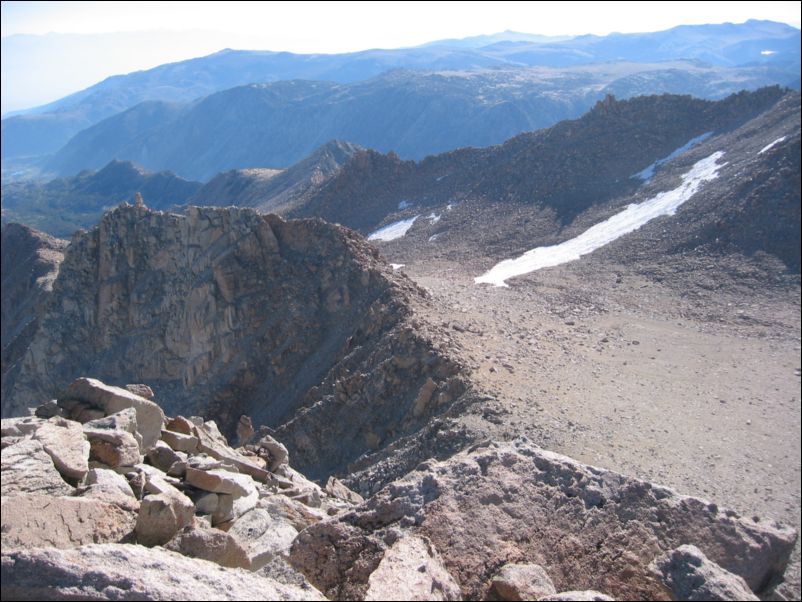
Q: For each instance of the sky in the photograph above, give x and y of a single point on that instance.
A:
(161, 32)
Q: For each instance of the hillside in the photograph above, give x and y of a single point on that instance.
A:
(61, 206)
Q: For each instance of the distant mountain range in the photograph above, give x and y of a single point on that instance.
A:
(410, 112)
(64, 205)
(771, 50)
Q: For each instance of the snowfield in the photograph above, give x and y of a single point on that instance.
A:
(646, 174)
(394, 230)
(624, 222)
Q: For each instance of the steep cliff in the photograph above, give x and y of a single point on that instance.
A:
(298, 324)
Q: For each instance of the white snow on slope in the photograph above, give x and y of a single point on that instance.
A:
(433, 219)
(770, 145)
(394, 230)
(624, 222)
(646, 174)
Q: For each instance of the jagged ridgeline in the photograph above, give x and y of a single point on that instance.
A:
(226, 312)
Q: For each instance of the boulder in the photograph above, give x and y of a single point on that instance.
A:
(263, 535)
(210, 544)
(690, 575)
(64, 441)
(109, 486)
(162, 513)
(36, 520)
(162, 456)
(124, 420)
(521, 582)
(130, 572)
(299, 515)
(412, 570)
(149, 416)
(141, 390)
(230, 508)
(113, 448)
(337, 489)
(220, 481)
(277, 453)
(27, 468)
(214, 444)
(180, 442)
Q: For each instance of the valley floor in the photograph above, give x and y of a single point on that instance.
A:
(695, 390)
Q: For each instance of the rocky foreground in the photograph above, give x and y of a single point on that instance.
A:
(105, 497)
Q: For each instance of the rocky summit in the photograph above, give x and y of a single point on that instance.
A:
(512, 521)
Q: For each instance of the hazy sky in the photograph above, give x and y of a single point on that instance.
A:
(171, 31)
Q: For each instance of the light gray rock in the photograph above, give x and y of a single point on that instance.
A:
(336, 488)
(299, 515)
(206, 503)
(244, 504)
(692, 576)
(141, 390)
(214, 444)
(36, 520)
(112, 447)
(263, 535)
(521, 582)
(277, 453)
(180, 442)
(161, 515)
(108, 479)
(587, 595)
(412, 570)
(27, 468)
(109, 486)
(162, 456)
(64, 441)
(20, 427)
(124, 420)
(210, 544)
(220, 481)
(149, 416)
(130, 572)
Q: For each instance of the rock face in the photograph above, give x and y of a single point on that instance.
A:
(36, 521)
(129, 572)
(588, 528)
(225, 312)
(691, 576)
(30, 263)
(411, 570)
(27, 468)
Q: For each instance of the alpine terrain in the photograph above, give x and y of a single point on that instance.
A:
(378, 353)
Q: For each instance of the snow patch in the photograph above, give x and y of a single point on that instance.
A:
(646, 174)
(770, 145)
(434, 237)
(397, 266)
(394, 230)
(404, 205)
(624, 222)
(433, 219)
